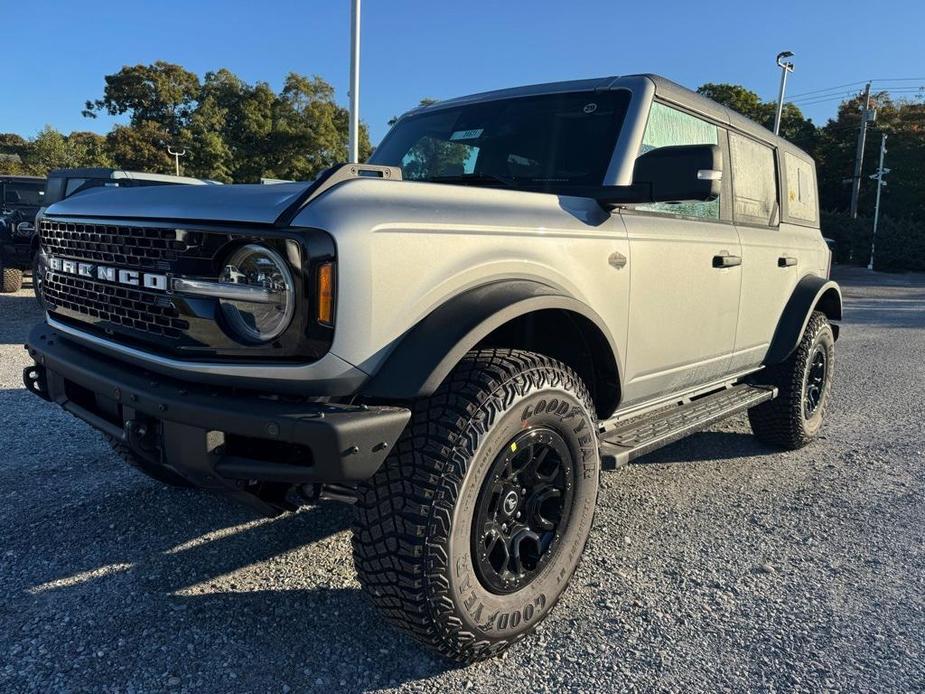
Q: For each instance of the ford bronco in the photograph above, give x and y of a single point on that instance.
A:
(521, 288)
(20, 200)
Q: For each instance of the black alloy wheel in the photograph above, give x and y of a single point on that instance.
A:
(522, 509)
(815, 381)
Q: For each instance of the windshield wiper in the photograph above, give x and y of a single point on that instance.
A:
(476, 178)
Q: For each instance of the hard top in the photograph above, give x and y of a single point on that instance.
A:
(665, 90)
(119, 174)
(21, 179)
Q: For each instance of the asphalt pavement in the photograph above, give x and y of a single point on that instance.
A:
(714, 564)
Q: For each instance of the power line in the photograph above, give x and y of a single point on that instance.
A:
(852, 84)
(849, 95)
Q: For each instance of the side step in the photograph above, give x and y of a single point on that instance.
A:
(646, 432)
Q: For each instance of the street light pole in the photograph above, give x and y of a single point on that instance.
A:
(881, 172)
(176, 157)
(785, 68)
(354, 127)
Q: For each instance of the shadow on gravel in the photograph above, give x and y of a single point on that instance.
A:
(708, 446)
(162, 558)
(18, 313)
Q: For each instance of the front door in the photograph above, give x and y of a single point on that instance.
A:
(685, 276)
(684, 303)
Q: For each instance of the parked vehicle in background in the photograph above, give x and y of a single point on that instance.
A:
(446, 336)
(21, 197)
(63, 183)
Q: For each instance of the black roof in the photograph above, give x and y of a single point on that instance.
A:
(21, 179)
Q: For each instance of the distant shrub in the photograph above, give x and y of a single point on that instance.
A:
(900, 242)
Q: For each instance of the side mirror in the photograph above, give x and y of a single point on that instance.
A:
(682, 172)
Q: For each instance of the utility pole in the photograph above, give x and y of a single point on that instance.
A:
(859, 155)
(785, 69)
(176, 157)
(354, 142)
(881, 172)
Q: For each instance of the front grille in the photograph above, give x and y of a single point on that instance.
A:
(130, 308)
(90, 293)
(140, 247)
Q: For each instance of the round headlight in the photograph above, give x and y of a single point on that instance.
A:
(263, 309)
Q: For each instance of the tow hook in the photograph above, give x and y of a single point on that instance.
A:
(33, 377)
(138, 435)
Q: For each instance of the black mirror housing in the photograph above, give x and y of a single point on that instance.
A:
(680, 173)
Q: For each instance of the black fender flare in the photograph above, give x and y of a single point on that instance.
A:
(811, 292)
(429, 351)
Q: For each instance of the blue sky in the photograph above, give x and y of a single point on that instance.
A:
(58, 52)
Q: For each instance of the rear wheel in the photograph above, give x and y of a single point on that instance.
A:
(804, 384)
(469, 533)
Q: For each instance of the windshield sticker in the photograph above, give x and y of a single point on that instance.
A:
(467, 134)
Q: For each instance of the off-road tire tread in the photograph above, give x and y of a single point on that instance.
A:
(779, 422)
(10, 280)
(404, 512)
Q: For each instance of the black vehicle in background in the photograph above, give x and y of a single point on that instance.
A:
(21, 197)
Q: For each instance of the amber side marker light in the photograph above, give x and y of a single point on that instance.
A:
(326, 294)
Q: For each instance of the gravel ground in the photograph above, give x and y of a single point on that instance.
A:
(715, 564)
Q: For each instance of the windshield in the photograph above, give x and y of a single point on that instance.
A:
(532, 142)
(23, 194)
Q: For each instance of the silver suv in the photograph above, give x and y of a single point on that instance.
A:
(519, 289)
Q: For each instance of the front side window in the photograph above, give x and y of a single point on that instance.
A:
(754, 181)
(547, 142)
(668, 127)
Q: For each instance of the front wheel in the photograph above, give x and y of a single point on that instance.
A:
(468, 534)
(804, 384)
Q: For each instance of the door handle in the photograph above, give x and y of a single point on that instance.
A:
(786, 261)
(725, 260)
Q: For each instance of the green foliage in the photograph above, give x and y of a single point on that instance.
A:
(793, 125)
(900, 242)
(161, 93)
(232, 131)
(51, 150)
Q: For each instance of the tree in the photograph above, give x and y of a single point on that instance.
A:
(793, 125)
(161, 93)
(141, 147)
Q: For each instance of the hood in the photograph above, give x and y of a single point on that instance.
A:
(248, 204)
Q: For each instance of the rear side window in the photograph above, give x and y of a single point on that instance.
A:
(754, 181)
(668, 127)
(801, 189)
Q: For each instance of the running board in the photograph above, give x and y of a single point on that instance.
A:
(646, 432)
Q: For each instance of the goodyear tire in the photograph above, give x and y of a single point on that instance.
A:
(468, 534)
(804, 384)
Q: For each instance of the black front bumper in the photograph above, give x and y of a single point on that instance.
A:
(217, 438)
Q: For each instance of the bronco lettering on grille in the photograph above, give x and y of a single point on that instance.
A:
(131, 278)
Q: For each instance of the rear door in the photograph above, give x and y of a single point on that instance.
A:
(684, 276)
(774, 255)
